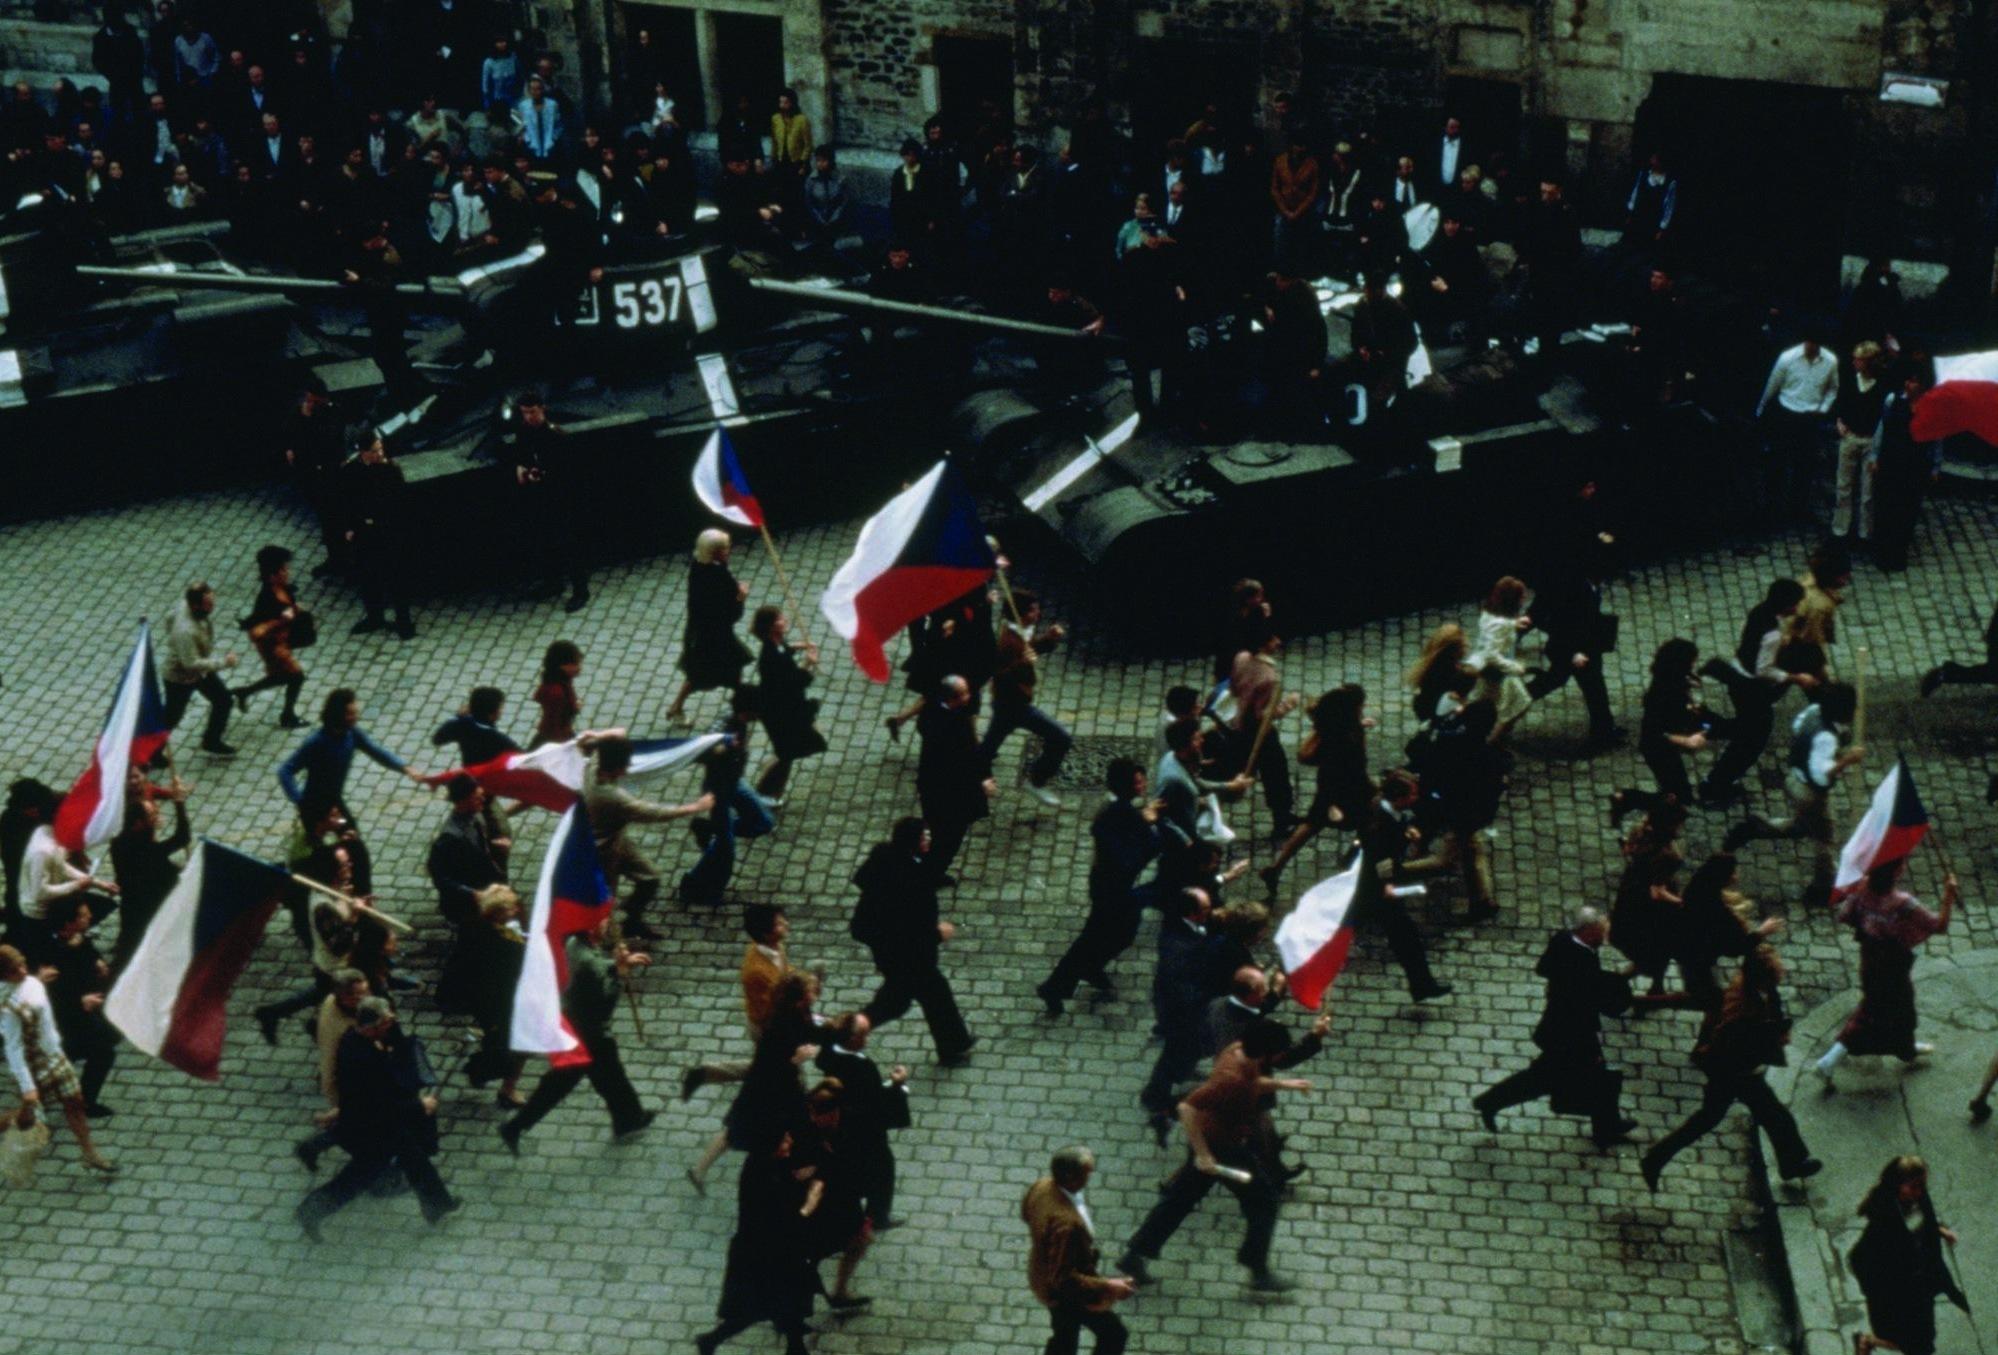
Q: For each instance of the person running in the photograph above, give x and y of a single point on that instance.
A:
(1890, 924)
(276, 626)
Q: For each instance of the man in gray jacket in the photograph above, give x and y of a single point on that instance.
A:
(191, 666)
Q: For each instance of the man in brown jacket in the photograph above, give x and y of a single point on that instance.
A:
(1061, 1267)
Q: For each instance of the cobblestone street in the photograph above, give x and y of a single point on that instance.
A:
(1414, 1230)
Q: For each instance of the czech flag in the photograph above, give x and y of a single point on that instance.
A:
(551, 777)
(94, 810)
(720, 484)
(572, 896)
(923, 550)
(1314, 940)
(171, 1000)
(1963, 400)
(1894, 823)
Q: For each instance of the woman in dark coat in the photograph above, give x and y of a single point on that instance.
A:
(1674, 725)
(76, 996)
(771, 1100)
(787, 713)
(769, 1274)
(711, 655)
(840, 1226)
(1337, 748)
(1714, 925)
(1899, 1262)
(1647, 897)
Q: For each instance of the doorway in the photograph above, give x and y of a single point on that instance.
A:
(1491, 113)
(1181, 76)
(674, 56)
(970, 72)
(1767, 217)
(749, 61)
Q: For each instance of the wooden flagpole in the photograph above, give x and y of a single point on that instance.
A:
(330, 892)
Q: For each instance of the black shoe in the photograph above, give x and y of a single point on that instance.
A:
(1291, 1173)
(706, 1344)
(241, 696)
(576, 602)
(636, 1127)
(1481, 912)
(452, 1204)
(886, 1225)
(950, 881)
(1651, 1170)
(958, 1057)
(1804, 1170)
(1268, 875)
(894, 729)
(405, 630)
(97, 1110)
(1103, 986)
(703, 831)
(1930, 681)
(1133, 1266)
(1434, 990)
(218, 749)
(692, 1081)
(1980, 1111)
(636, 930)
(1737, 837)
(1269, 1282)
(309, 1222)
(847, 1304)
(267, 1024)
(1049, 1000)
(290, 720)
(1487, 1114)
(308, 1156)
(368, 625)
(1161, 1126)
(510, 1136)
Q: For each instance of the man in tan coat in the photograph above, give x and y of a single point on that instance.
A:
(1061, 1267)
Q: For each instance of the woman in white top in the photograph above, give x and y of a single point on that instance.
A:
(34, 1054)
(1499, 623)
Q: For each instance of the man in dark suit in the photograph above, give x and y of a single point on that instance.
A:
(387, 1119)
(596, 982)
(1061, 1267)
(869, 1106)
(271, 152)
(1569, 608)
(1447, 158)
(1571, 1069)
(243, 116)
(464, 861)
(1128, 838)
(1187, 979)
(910, 199)
(953, 776)
(897, 920)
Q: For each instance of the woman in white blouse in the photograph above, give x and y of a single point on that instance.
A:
(35, 1057)
(1500, 674)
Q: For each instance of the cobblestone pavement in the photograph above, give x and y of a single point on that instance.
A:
(1414, 1231)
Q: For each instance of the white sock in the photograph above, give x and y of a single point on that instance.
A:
(1831, 1058)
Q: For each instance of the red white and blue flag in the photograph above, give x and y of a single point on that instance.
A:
(1963, 400)
(1314, 940)
(172, 999)
(1894, 823)
(720, 484)
(94, 810)
(572, 896)
(551, 776)
(925, 549)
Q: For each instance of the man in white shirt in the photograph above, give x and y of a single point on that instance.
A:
(193, 666)
(1816, 763)
(1449, 157)
(1795, 401)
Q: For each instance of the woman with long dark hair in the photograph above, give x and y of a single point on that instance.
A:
(1337, 748)
(1674, 726)
(1899, 1261)
(556, 694)
(276, 625)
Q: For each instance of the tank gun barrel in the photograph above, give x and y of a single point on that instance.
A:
(840, 299)
(436, 288)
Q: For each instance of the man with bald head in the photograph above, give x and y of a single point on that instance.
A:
(1571, 1069)
(953, 774)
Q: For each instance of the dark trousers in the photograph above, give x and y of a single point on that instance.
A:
(1068, 1321)
(215, 690)
(1595, 693)
(361, 1172)
(1967, 674)
(1668, 766)
(94, 1059)
(383, 577)
(1404, 940)
(1549, 1075)
(302, 1000)
(946, 837)
(1189, 1186)
(1719, 1097)
(607, 1077)
(876, 1174)
(1109, 930)
(1754, 719)
(1008, 716)
(1795, 444)
(1179, 1058)
(928, 988)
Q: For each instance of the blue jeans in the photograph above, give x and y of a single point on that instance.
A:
(1055, 738)
(740, 813)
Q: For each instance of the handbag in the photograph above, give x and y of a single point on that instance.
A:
(21, 1147)
(304, 630)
